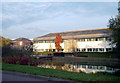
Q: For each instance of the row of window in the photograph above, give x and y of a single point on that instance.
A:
(94, 50)
(94, 39)
(82, 40)
(45, 41)
(80, 50)
(41, 50)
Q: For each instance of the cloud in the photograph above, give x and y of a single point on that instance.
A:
(36, 19)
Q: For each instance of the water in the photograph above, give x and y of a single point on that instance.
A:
(81, 65)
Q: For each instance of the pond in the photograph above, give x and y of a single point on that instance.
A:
(85, 67)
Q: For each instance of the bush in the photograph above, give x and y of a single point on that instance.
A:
(21, 61)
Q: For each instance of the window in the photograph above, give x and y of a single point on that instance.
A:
(47, 41)
(101, 49)
(40, 41)
(53, 41)
(89, 49)
(96, 39)
(108, 39)
(78, 50)
(95, 49)
(46, 49)
(101, 39)
(89, 67)
(82, 39)
(89, 39)
(83, 66)
(83, 50)
(108, 49)
(53, 50)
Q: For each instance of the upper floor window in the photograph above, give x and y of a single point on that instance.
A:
(108, 39)
(101, 39)
(89, 39)
(83, 39)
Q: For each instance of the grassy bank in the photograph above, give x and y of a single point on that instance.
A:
(92, 54)
(60, 73)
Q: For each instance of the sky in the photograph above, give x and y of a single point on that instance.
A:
(35, 19)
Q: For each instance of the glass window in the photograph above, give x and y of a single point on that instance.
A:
(96, 39)
(89, 39)
(83, 50)
(101, 49)
(82, 39)
(94, 49)
(78, 50)
(83, 66)
(89, 67)
(108, 49)
(101, 39)
(108, 39)
(89, 49)
(47, 41)
(53, 41)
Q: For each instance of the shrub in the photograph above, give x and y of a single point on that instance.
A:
(21, 60)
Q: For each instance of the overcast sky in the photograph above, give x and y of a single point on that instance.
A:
(30, 20)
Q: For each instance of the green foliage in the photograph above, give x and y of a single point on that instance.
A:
(93, 54)
(4, 42)
(114, 27)
(76, 76)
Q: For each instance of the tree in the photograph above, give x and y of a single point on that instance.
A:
(114, 27)
(58, 40)
(5, 45)
(5, 42)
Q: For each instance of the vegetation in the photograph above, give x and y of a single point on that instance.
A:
(21, 60)
(7, 49)
(93, 54)
(114, 26)
(76, 76)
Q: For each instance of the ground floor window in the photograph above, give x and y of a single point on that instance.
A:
(83, 50)
(89, 49)
(101, 49)
(108, 49)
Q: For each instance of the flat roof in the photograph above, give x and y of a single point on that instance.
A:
(100, 32)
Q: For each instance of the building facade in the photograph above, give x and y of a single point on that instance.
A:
(22, 44)
(94, 40)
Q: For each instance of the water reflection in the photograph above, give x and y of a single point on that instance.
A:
(80, 68)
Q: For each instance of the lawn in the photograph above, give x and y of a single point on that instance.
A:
(75, 76)
(98, 55)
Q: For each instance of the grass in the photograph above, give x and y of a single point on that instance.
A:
(75, 76)
(98, 55)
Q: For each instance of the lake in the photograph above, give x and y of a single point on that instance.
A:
(81, 65)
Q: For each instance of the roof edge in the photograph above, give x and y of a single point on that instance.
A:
(79, 30)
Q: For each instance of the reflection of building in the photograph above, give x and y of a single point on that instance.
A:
(22, 43)
(80, 68)
(94, 40)
(92, 69)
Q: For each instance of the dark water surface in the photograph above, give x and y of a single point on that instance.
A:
(82, 66)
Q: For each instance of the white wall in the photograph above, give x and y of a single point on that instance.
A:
(93, 44)
(45, 45)
(86, 44)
